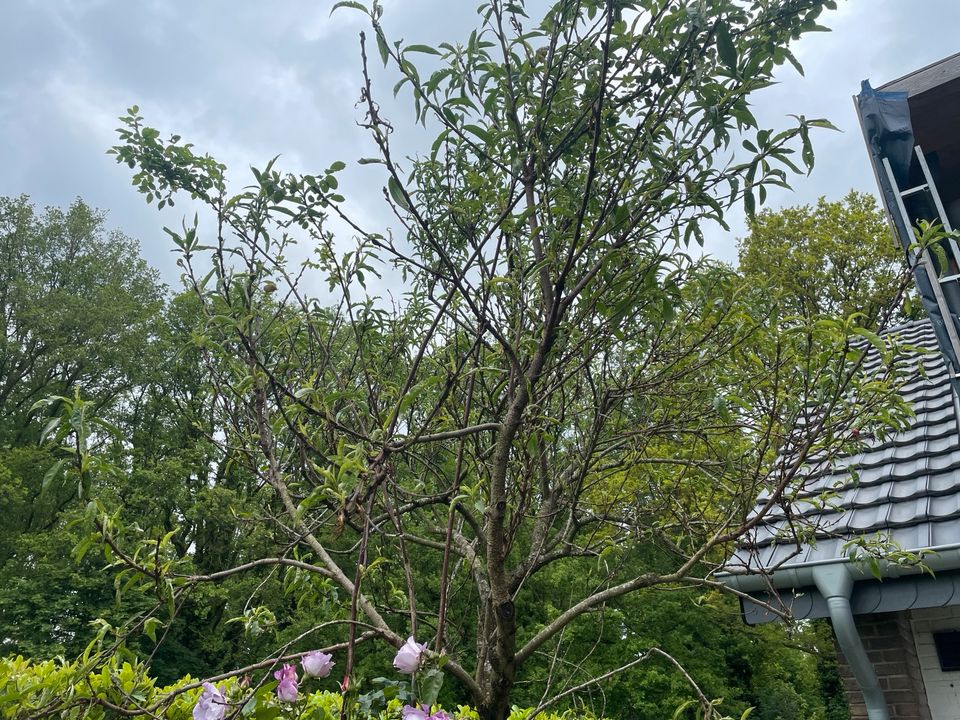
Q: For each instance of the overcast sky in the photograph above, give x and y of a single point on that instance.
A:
(247, 80)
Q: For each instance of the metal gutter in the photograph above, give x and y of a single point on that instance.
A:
(835, 583)
(943, 557)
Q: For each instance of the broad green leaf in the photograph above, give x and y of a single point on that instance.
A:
(726, 50)
(383, 48)
(396, 192)
(421, 49)
(150, 627)
(479, 132)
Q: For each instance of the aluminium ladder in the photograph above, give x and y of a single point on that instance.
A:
(923, 255)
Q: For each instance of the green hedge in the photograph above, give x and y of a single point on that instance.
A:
(74, 690)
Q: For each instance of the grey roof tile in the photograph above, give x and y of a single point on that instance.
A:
(905, 486)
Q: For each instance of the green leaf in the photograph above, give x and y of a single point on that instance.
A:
(422, 49)
(807, 152)
(438, 142)
(54, 471)
(396, 192)
(48, 429)
(383, 48)
(871, 337)
(81, 548)
(266, 712)
(479, 132)
(349, 4)
(793, 61)
(150, 628)
(667, 311)
(726, 50)
(429, 682)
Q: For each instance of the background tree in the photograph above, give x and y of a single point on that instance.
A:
(77, 307)
(83, 312)
(835, 258)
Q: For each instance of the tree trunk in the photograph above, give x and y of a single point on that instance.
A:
(497, 704)
(498, 677)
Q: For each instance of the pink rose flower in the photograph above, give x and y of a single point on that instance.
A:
(407, 660)
(211, 705)
(287, 689)
(318, 664)
(410, 712)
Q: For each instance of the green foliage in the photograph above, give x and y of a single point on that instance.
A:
(836, 258)
(79, 308)
(740, 667)
(28, 688)
(561, 382)
(47, 599)
(562, 418)
(85, 291)
(109, 334)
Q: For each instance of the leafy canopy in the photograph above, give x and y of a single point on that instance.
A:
(561, 384)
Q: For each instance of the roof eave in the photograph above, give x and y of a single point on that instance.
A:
(941, 558)
(926, 78)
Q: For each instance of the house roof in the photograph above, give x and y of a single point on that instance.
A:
(926, 78)
(905, 486)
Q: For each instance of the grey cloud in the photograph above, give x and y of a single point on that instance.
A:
(248, 80)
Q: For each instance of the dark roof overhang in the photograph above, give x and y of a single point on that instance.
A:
(926, 78)
(867, 597)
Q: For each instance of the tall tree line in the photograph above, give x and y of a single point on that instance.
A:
(84, 314)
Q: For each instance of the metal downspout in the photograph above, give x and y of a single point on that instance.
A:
(836, 584)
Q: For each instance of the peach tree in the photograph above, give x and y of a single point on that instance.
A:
(557, 376)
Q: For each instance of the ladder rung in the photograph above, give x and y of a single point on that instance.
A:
(948, 278)
(914, 190)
